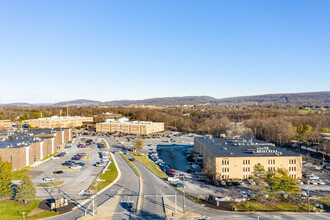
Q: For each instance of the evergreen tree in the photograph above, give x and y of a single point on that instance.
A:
(5, 178)
(26, 190)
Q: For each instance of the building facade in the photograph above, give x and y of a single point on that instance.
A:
(130, 127)
(235, 157)
(25, 147)
(5, 124)
(58, 122)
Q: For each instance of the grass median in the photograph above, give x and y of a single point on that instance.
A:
(49, 156)
(105, 144)
(107, 177)
(150, 165)
(14, 210)
(131, 164)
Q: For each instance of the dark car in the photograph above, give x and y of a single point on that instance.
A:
(58, 172)
(170, 172)
(80, 164)
(67, 163)
(76, 158)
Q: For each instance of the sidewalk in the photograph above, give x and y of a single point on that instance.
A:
(170, 210)
(104, 211)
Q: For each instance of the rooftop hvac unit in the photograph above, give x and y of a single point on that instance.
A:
(224, 148)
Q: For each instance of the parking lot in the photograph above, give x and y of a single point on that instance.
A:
(78, 165)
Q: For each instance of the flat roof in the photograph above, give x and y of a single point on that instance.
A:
(25, 137)
(130, 122)
(241, 147)
(60, 118)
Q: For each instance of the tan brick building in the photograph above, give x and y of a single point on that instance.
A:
(235, 157)
(130, 127)
(58, 122)
(28, 146)
(5, 124)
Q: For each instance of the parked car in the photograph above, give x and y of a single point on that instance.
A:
(170, 172)
(222, 183)
(101, 164)
(48, 178)
(58, 172)
(133, 159)
(76, 158)
(178, 185)
(244, 194)
(80, 164)
(76, 167)
(173, 179)
(68, 163)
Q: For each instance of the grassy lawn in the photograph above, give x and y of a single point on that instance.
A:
(17, 175)
(150, 165)
(109, 176)
(281, 206)
(105, 144)
(49, 156)
(13, 210)
(131, 164)
(55, 183)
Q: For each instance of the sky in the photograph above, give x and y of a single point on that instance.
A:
(61, 50)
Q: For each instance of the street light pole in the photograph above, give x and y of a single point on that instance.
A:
(308, 194)
(184, 195)
(96, 196)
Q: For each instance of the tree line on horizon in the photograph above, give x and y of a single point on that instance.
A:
(274, 123)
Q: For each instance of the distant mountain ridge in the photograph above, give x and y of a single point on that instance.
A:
(306, 98)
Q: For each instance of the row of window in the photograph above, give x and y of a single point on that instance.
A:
(292, 168)
(247, 169)
(246, 162)
(271, 161)
(225, 169)
(292, 161)
(225, 162)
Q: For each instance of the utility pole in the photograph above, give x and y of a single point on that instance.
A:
(308, 194)
(184, 194)
(175, 205)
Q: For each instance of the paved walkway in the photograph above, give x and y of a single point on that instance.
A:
(104, 211)
(170, 211)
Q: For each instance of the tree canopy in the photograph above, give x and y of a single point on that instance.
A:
(5, 178)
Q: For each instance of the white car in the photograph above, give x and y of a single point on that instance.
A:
(48, 178)
(105, 160)
(222, 183)
(76, 167)
(321, 182)
(101, 164)
(244, 194)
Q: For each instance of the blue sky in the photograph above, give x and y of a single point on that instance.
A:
(107, 50)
